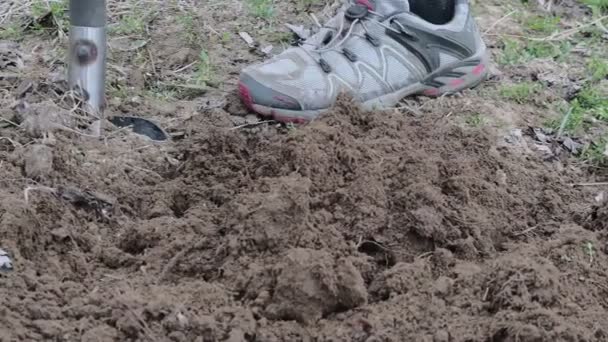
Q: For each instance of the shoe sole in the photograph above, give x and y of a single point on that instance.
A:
(448, 80)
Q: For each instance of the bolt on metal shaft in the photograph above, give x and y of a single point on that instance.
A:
(87, 52)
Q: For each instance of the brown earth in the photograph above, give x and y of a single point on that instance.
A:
(404, 225)
(358, 227)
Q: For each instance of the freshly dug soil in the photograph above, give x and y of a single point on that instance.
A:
(357, 227)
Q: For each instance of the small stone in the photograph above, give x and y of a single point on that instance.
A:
(238, 120)
(443, 285)
(501, 178)
(441, 336)
(182, 320)
(251, 119)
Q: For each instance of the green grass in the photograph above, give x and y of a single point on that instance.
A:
(189, 29)
(11, 32)
(132, 24)
(517, 52)
(590, 102)
(521, 92)
(593, 101)
(261, 8)
(597, 68)
(204, 70)
(595, 153)
(598, 6)
(542, 23)
(56, 8)
(475, 120)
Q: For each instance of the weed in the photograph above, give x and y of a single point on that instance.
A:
(543, 24)
(521, 92)
(597, 68)
(262, 8)
(516, 52)
(597, 6)
(57, 10)
(593, 100)
(130, 24)
(475, 120)
(204, 71)
(11, 32)
(226, 37)
(189, 26)
(596, 152)
(590, 251)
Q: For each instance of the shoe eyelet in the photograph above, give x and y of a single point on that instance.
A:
(349, 55)
(325, 66)
(373, 40)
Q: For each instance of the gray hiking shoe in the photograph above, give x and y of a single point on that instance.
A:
(377, 51)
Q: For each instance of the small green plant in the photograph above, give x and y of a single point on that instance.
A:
(475, 120)
(597, 68)
(596, 152)
(540, 49)
(593, 100)
(132, 24)
(226, 37)
(11, 32)
(521, 92)
(597, 6)
(189, 29)
(512, 52)
(204, 70)
(590, 251)
(56, 9)
(516, 52)
(543, 23)
(262, 8)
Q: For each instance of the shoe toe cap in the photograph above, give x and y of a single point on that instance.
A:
(255, 92)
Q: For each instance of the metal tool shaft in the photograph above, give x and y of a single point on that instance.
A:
(87, 54)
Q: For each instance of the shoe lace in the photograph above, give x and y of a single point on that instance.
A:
(334, 45)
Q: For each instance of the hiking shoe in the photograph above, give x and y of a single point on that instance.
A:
(378, 51)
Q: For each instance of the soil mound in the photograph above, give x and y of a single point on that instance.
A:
(358, 227)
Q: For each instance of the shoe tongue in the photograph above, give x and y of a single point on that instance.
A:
(386, 7)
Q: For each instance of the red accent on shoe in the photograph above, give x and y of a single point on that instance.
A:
(457, 82)
(366, 3)
(246, 95)
(431, 92)
(288, 119)
(478, 70)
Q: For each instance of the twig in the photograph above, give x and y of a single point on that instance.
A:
(529, 230)
(13, 142)
(9, 121)
(499, 21)
(589, 184)
(564, 34)
(252, 124)
(26, 192)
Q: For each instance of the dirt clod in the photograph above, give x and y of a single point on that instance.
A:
(311, 284)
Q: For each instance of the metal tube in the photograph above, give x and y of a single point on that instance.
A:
(87, 54)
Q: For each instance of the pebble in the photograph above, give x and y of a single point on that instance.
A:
(441, 336)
